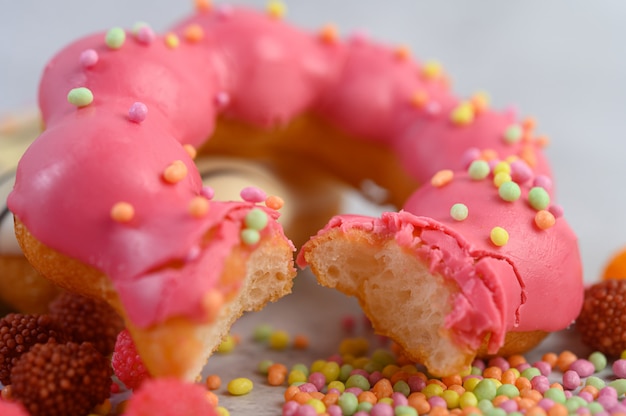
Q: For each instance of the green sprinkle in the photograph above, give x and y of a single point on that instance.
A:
(513, 133)
(402, 386)
(115, 38)
(595, 408)
(598, 360)
(509, 191)
(364, 407)
(383, 357)
(619, 385)
(250, 236)
(262, 332)
(495, 411)
(264, 366)
(557, 395)
(538, 198)
(508, 390)
(479, 169)
(596, 382)
(459, 212)
(80, 97)
(344, 372)
(531, 372)
(348, 403)
(404, 411)
(573, 403)
(484, 405)
(256, 219)
(301, 367)
(357, 380)
(485, 389)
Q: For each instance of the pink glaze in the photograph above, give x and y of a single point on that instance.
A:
(247, 66)
(534, 282)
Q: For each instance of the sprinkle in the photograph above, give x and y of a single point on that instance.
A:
(194, 33)
(538, 198)
(544, 219)
(80, 97)
(253, 194)
(520, 171)
(543, 181)
(115, 38)
(469, 156)
(488, 154)
(402, 52)
(175, 172)
(556, 210)
(509, 191)
(501, 178)
(274, 202)
(542, 141)
(499, 236)
(459, 211)
(329, 33)
(213, 382)
(207, 192)
(279, 340)
(276, 9)
(191, 151)
(145, 35)
(88, 58)
(137, 112)
(463, 114)
(222, 99)
(227, 345)
(202, 5)
(122, 212)
(301, 342)
(529, 155)
(171, 40)
(212, 302)
(256, 219)
(199, 206)
(432, 70)
(480, 102)
(478, 169)
(513, 133)
(502, 167)
(442, 178)
(250, 236)
(419, 99)
(240, 386)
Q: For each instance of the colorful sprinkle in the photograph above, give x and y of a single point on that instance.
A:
(240, 386)
(459, 212)
(419, 99)
(543, 181)
(191, 150)
(227, 345)
(256, 219)
(538, 198)
(137, 112)
(520, 171)
(478, 169)
(202, 5)
(253, 194)
(171, 40)
(499, 236)
(509, 191)
(80, 97)
(207, 192)
(194, 33)
(544, 219)
(122, 212)
(463, 114)
(402, 52)
(175, 172)
(432, 70)
(480, 102)
(500, 178)
(88, 58)
(502, 166)
(329, 34)
(250, 236)
(144, 33)
(199, 206)
(442, 178)
(274, 202)
(115, 37)
(276, 9)
(279, 340)
(513, 133)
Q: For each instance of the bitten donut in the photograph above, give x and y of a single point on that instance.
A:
(121, 212)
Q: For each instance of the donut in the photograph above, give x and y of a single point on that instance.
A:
(122, 214)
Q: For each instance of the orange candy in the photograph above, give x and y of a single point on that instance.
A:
(616, 267)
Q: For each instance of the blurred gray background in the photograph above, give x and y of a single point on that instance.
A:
(562, 62)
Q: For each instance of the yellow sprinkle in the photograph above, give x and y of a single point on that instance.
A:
(432, 70)
(463, 114)
(240, 386)
(544, 219)
(191, 151)
(318, 405)
(171, 40)
(442, 178)
(222, 411)
(329, 33)
(502, 167)
(500, 178)
(279, 340)
(194, 33)
(122, 212)
(199, 206)
(499, 236)
(227, 345)
(175, 172)
(276, 9)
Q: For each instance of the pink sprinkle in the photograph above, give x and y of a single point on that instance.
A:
(207, 192)
(290, 408)
(544, 367)
(375, 377)
(469, 156)
(583, 367)
(437, 401)
(509, 406)
(145, 35)
(359, 37)
(224, 11)
(334, 390)
(222, 99)
(253, 194)
(546, 404)
(543, 181)
(354, 390)
(138, 112)
(381, 409)
(523, 366)
(556, 210)
(334, 410)
(520, 171)
(416, 383)
(318, 380)
(500, 362)
(88, 58)
(335, 358)
(399, 399)
(540, 383)
(619, 368)
(588, 397)
(433, 108)
(571, 380)
(307, 387)
(306, 410)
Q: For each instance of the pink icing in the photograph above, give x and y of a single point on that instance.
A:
(246, 66)
(534, 282)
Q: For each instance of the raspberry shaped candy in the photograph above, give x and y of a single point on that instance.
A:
(61, 379)
(19, 333)
(127, 363)
(12, 409)
(87, 320)
(169, 397)
(601, 322)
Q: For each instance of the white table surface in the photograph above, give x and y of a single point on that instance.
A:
(562, 62)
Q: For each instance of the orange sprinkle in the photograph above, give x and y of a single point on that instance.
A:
(522, 383)
(302, 397)
(400, 376)
(191, 151)
(556, 385)
(493, 372)
(175, 172)
(419, 99)
(199, 206)
(531, 394)
(276, 374)
(274, 202)
(213, 382)
(543, 141)
(330, 399)
(202, 5)
(402, 52)
(565, 359)
(290, 392)
(591, 390)
(516, 359)
(301, 342)
(498, 400)
(480, 102)
(544, 219)
(194, 33)
(382, 388)
(122, 212)
(457, 387)
(529, 156)
(529, 123)
(329, 33)
(508, 377)
(419, 403)
(442, 178)
(451, 380)
(317, 395)
(488, 154)
(550, 358)
(439, 411)
(526, 403)
(367, 396)
(558, 409)
(535, 411)
(212, 302)
(212, 398)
